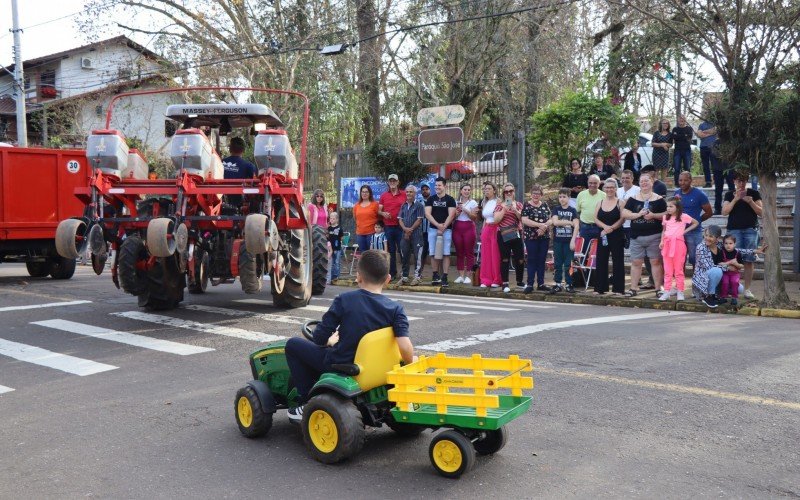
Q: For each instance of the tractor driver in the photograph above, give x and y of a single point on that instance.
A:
(236, 167)
(354, 314)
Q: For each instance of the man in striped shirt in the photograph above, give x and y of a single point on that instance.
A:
(411, 217)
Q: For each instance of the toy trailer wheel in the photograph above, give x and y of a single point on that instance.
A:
(71, 238)
(251, 418)
(492, 442)
(332, 428)
(160, 237)
(451, 453)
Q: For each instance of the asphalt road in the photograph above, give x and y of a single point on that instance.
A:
(627, 403)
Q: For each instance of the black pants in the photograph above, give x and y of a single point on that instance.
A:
(306, 362)
(721, 177)
(616, 250)
(507, 248)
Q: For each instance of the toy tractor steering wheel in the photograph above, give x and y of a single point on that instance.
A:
(308, 328)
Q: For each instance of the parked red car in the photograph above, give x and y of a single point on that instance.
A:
(455, 171)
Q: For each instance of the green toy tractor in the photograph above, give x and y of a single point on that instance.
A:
(376, 390)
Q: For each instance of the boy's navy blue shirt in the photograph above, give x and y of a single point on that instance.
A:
(356, 314)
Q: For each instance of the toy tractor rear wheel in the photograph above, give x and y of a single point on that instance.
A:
(319, 238)
(165, 284)
(38, 269)
(291, 283)
(251, 418)
(451, 453)
(333, 429)
(492, 442)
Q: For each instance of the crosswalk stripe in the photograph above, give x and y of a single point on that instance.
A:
(49, 304)
(309, 307)
(457, 313)
(4, 389)
(455, 304)
(123, 337)
(484, 300)
(50, 359)
(449, 345)
(226, 331)
(280, 318)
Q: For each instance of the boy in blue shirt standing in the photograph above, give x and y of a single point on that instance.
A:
(351, 316)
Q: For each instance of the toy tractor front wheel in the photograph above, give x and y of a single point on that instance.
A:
(332, 428)
(451, 453)
(251, 418)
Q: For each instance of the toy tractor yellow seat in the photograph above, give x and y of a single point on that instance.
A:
(377, 354)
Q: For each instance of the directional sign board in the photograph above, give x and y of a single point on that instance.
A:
(441, 145)
(441, 115)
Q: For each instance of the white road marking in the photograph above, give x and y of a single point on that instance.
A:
(280, 318)
(480, 301)
(458, 313)
(4, 389)
(49, 304)
(449, 345)
(454, 304)
(50, 359)
(226, 331)
(123, 337)
(306, 308)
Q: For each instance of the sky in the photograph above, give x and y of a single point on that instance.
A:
(49, 27)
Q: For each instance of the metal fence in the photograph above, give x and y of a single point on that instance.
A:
(498, 160)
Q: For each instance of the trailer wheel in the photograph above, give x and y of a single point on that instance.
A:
(165, 284)
(250, 271)
(131, 279)
(200, 282)
(292, 285)
(320, 272)
(451, 453)
(71, 238)
(62, 268)
(492, 442)
(38, 269)
(160, 237)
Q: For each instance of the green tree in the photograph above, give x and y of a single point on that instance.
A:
(384, 156)
(563, 129)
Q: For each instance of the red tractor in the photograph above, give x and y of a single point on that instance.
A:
(168, 234)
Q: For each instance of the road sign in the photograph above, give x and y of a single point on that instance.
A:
(441, 145)
(441, 115)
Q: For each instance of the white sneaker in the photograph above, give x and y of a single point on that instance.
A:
(467, 281)
(484, 286)
(506, 289)
(493, 285)
(295, 414)
(749, 295)
(664, 297)
(459, 280)
(680, 296)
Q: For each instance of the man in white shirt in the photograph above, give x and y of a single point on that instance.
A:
(627, 190)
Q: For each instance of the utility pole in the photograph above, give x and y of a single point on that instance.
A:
(19, 80)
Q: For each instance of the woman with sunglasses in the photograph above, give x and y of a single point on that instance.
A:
(490, 252)
(317, 211)
(507, 216)
(662, 142)
(365, 212)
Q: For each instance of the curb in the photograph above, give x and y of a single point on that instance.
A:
(578, 298)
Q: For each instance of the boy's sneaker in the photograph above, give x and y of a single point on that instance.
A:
(416, 281)
(444, 281)
(749, 295)
(570, 289)
(710, 301)
(528, 289)
(556, 289)
(506, 288)
(403, 281)
(436, 280)
(543, 288)
(680, 296)
(467, 281)
(460, 279)
(521, 286)
(295, 414)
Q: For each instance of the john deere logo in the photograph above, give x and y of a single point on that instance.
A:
(438, 380)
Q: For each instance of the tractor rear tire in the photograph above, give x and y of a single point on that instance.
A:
(251, 271)
(333, 429)
(38, 269)
(165, 283)
(131, 280)
(320, 267)
(251, 418)
(62, 268)
(296, 291)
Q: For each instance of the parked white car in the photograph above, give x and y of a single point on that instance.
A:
(646, 148)
(491, 163)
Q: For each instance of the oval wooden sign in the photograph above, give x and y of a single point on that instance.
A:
(441, 115)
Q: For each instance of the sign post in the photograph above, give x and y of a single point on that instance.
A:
(440, 144)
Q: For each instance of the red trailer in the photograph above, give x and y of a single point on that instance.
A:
(37, 188)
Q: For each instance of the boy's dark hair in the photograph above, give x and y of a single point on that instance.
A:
(442, 180)
(741, 175)
(380, 223)
(729, 237)
(373, 266)
(565, 191)
(648, 168)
